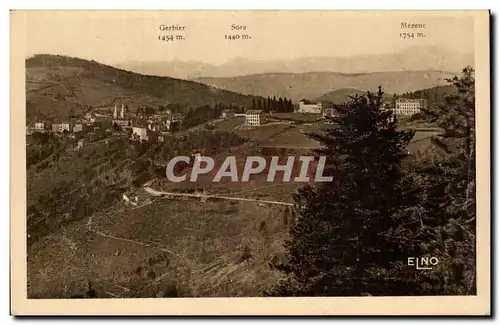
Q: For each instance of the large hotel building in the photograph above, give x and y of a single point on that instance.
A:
(409, 106)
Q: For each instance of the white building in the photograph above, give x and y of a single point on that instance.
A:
(253, 117)
(306, 106)
(174, 122)
(39, 126)
(123, 123)
(140, 132)
(143, 133)
(61, 127)
(409, 106)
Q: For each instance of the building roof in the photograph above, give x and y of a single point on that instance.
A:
(309, 102)
(410, 100)
(254, 111)
(140, 127)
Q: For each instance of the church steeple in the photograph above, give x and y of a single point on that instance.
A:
(122, 111)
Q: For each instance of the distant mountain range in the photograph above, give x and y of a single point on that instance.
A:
(414, 58)
(313, 85)
(58, 86)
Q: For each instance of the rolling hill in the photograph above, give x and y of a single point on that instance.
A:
(315, 84)
(58, 86)
(342, 95)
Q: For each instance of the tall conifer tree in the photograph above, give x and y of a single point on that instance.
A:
(341, 243)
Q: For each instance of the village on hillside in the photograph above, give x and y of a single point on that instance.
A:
(153, 126)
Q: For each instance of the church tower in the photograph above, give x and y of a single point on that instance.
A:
(122, 111)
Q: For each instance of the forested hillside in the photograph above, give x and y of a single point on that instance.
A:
(59, 86)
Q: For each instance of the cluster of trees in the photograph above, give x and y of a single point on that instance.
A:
(201, 114)
(198, 115)
(271, 104)
(353, 236)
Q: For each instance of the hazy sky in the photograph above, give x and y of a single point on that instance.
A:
(120, 36)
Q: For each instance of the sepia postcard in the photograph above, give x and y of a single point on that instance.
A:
(250, 163)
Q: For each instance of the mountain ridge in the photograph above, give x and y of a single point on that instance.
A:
(58, 86)
(412, 58)
(313, 85)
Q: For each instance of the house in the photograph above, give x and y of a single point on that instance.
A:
(227, 114)
(77, 127)
(156, 126)
(144, 134)
(39, 126)
(174, 122)
(61, 127)
(102, 118)
(140, 133)
(162, 136)
(123, 123)
(253, 117)
(160, 116)
(306, 106)
(409, 106)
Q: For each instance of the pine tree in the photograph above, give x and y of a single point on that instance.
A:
(340, 244)
(290, 106)
(447, 196)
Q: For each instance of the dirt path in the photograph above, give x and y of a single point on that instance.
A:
(208, 196)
